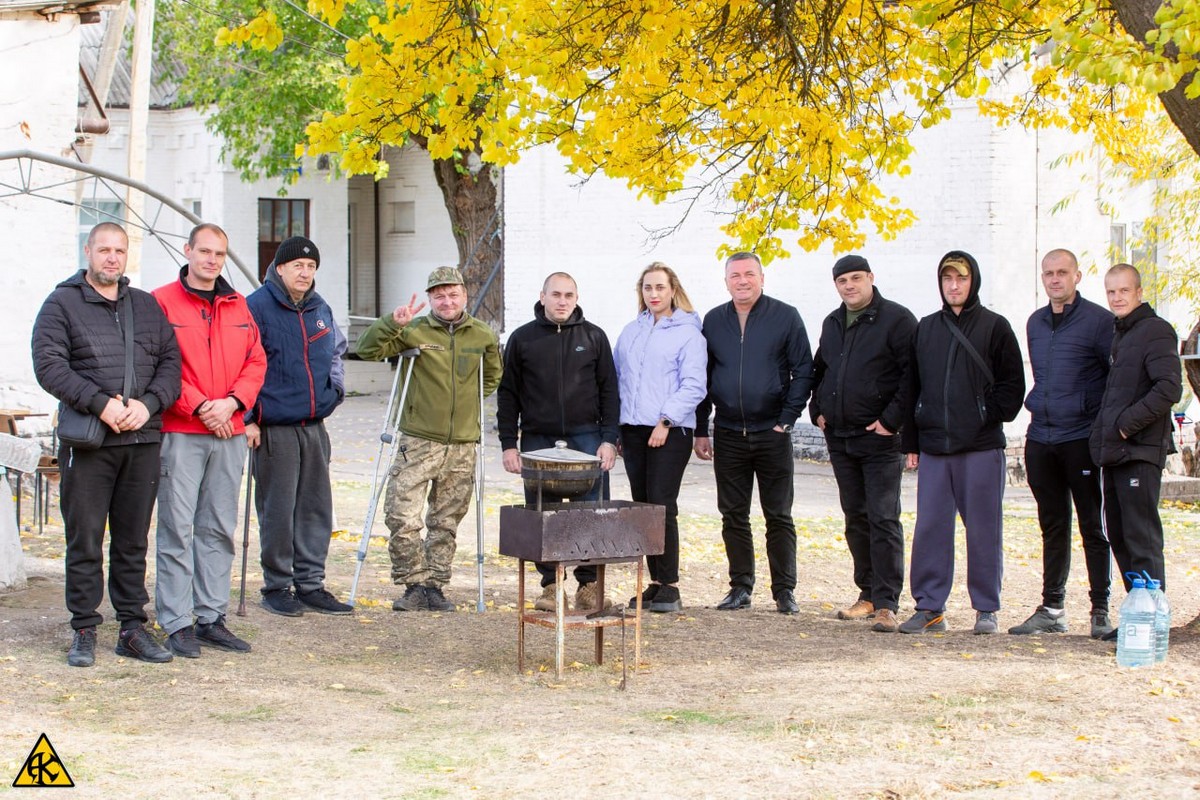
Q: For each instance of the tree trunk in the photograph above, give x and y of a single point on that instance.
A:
(1137, 17)
(475, 205)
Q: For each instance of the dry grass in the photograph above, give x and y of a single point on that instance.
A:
(742, 704)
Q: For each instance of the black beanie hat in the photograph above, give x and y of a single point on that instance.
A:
(850, 264)
(297, 247)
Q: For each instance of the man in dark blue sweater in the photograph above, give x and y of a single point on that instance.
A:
(1069, 343)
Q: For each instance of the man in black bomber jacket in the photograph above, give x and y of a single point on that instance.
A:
(559, 384)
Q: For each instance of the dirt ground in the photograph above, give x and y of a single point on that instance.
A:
(723, 704)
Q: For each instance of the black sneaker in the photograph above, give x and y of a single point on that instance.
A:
(413, 600)
(648, 595)
(436, 600)
(283, 603)
(666, 600)
(138, 643)
(215, 634)
(183, 643)
(83, 648)
(324, 602)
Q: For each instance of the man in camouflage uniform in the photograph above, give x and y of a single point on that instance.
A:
(439, 427)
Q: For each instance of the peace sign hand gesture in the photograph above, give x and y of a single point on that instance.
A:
(405, 314)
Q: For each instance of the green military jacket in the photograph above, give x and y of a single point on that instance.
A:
(442, 404)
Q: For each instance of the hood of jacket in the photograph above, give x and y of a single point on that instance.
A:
(280, 291)
(678, 317)
(976, 280)
(1143, 311)
(539, 314)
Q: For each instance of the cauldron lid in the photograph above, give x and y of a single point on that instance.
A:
(561, 454)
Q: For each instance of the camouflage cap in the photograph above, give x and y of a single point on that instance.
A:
(443, 276)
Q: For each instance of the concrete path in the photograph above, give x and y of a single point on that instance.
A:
(354, 430)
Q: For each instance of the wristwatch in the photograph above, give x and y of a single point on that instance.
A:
(786, 428)
(666, 423)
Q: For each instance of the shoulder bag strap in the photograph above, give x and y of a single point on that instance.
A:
(970, 348)
(128, 307)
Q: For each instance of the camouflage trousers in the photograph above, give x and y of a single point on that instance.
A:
(437, 479)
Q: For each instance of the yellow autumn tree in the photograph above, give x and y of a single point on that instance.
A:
(788, 112)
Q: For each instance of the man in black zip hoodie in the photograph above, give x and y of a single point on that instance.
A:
(1131, 436)
(559, 384)
(967, 380)
(759, 378)
(860, 402)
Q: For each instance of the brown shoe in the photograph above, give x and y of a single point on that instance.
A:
(587, 601)
(885, 621)
(860, 610)
(546, 601)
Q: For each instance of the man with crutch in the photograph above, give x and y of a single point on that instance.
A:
(285, 430)
(440, 426)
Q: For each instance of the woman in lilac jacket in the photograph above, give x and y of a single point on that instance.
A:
(662, 363)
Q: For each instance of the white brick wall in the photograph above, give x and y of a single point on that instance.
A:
(39, 74)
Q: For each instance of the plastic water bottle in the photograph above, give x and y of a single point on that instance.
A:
(1162, 620)
(1135, 634)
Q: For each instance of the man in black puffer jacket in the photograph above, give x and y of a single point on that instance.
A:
(967, 381)
(79, 357)
(1131, 436)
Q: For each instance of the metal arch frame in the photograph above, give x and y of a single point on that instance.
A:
(26, 187)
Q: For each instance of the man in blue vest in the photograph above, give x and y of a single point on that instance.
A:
(305, 382)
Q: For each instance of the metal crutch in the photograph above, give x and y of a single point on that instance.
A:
(479, 494)
(388, 441)
(241, 609)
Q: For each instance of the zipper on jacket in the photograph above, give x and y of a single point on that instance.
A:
(741, 362)
(950, 355)
(562, 389)
(453, 385)
(312, 389)
(840, 405)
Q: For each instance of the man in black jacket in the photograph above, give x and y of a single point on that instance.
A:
(79, 357)
(967, 381)
(1131, 436)
(1069, 343)
(759, 378)
(559, 384)
(860, 372)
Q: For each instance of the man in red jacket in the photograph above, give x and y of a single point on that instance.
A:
(204, 447)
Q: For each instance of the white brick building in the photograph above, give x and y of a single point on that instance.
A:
(973, 186)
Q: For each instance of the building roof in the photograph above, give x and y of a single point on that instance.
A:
(164, 87)
(47, 8)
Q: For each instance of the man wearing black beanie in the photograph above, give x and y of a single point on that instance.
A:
(860, 402)
(305, 382)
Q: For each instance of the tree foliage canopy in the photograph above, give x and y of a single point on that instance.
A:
(788, 111)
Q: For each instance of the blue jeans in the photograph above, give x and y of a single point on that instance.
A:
(585, 443)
